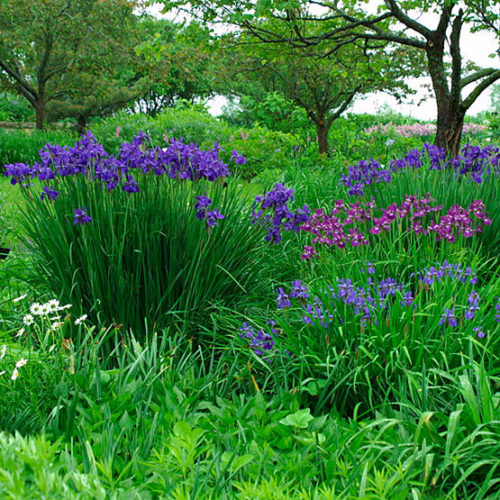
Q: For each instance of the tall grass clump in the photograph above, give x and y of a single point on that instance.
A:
(151, 233)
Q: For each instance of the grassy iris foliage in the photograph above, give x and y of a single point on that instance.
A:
(170, 266)
(169, 330)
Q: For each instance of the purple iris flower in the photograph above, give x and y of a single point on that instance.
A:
(213, 216)
(282, 299)
(479, 332)
(81, 216)
(49, 192)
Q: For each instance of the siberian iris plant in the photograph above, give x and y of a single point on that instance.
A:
(370, 304)
(473, 161)
(350, 223)
(144, 243)
(273, 211)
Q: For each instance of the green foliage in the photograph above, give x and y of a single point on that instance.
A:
(13, 108)
(160, 424)
(264, 149)
(180, 63)
(319, 81)
(50, 50)
(145, 256)
(33, 468)
(19, 146)
(273, 111)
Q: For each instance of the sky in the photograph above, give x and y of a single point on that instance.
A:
(475, 47)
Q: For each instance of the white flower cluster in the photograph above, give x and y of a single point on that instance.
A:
(48, 310)
(19, 364)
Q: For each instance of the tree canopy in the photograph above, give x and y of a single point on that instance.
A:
(456, 83)
(322, 82)
(179, 63)
(47, 47)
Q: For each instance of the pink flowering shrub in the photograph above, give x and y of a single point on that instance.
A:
(419, 129)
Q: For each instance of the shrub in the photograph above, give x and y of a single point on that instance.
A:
(15, 108)
(263, 149)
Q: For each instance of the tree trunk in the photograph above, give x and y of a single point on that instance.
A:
(322, 131)
(81, 125)
(40, 114)
(450, 124)
(450, 115)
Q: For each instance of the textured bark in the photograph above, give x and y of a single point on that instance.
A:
(449, 129)
(322, 131)
(81, 125)
(40, 113)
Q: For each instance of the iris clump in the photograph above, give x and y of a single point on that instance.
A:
(333, 229)
(335, 306)
(88, 158)
(362, 301)
(346, 222)
(142, 242)
(473, 161)
(272, 210)
(439, 272)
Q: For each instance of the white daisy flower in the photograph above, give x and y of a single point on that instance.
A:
(1, 373)
(21, 363)
(56, 325)
(45, 310)
(15, 374)
(80, 320)
(20, 332)
(18, 299)
(28, 319)
(3, 350)
(53, 305)
(67, 306)
(36, 309)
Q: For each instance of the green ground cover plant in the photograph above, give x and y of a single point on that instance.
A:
(168, 330)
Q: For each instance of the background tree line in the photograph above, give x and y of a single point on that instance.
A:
(79, 59)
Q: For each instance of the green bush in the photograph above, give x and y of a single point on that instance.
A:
(15, 108)
(273, 111)
(264, 149)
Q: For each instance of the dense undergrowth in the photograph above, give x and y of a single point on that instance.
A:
(169, 330)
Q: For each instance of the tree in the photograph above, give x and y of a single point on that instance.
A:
(321, 82)
(178, 63)
(90, 96)
(46, 43)
(396, 22)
